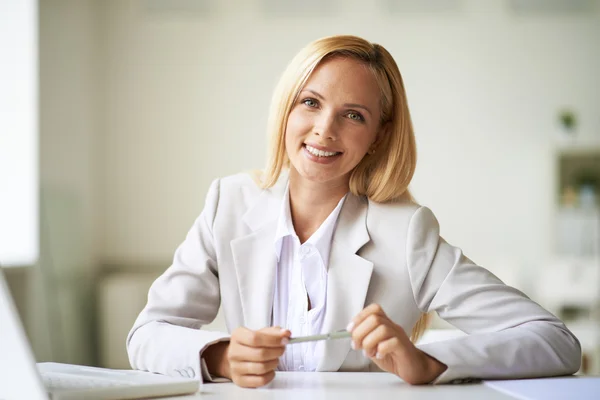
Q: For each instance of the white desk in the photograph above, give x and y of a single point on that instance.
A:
(347, 386)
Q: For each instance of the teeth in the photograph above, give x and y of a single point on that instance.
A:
(320, 153)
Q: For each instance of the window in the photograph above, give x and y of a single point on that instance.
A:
(18, 133)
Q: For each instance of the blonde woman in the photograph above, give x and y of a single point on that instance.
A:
(328, 238)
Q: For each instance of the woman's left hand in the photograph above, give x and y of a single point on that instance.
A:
(390, 348)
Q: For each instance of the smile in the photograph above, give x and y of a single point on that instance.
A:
(320, 153)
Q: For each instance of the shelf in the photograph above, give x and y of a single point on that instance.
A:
(6, 267)
(580, 149)
(578, 145)
(578, 171)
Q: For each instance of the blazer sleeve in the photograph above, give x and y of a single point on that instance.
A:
(166, 337)
(509, 335)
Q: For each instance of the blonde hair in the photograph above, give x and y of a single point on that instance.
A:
(382, 176)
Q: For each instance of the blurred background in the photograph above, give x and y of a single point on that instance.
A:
(115, 116)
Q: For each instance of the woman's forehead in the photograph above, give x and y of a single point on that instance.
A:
(344, 78)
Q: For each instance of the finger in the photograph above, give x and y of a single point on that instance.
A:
(240, 352)
(253, 381)
(376, 336)
(266, 337)
(253, 368)
(276, 330)
(387, 346)
(365, 327)
(365, 312)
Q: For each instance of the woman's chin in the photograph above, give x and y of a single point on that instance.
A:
(329, 179)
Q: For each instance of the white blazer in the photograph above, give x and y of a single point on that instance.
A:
(390, 254)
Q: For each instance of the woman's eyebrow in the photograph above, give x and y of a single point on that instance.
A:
(317, 94)
(352, 105)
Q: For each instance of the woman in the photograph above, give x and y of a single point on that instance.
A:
(328, 228)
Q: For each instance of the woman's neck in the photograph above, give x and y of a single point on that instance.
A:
(312, 202)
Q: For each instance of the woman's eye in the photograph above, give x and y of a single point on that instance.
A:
(355, 116)
(309, 102)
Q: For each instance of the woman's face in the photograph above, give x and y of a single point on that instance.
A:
(334, 121)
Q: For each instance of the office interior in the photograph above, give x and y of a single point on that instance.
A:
(142, 103)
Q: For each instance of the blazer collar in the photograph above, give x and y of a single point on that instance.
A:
(352, 223)
(265, 209)
(254, 258)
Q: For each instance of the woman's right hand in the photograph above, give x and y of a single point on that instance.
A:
(253, 355)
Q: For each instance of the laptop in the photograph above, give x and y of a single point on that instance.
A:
(22, 378)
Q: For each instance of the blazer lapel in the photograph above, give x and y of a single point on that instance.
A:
(348, 278)
(254, 257)
(255, 265)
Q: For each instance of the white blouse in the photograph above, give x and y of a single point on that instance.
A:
(301, 275)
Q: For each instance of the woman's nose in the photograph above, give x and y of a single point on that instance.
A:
(326, 128)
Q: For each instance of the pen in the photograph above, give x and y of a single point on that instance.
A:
(343, 334)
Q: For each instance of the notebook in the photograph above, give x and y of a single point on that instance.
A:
(22, 378)
(567, 387)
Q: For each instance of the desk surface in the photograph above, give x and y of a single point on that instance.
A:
(346, 385)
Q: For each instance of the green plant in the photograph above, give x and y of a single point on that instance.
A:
(567, 119)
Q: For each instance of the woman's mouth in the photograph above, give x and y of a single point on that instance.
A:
(321, 156)
(320, 153)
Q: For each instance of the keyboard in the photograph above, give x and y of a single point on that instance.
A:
(55, 382)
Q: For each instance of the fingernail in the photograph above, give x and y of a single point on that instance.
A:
(365, 353)
(350, 326)
(285, 341)
(378, 356)
(353, 345)
(283, 330)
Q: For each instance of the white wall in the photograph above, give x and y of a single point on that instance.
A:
(187, 97)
